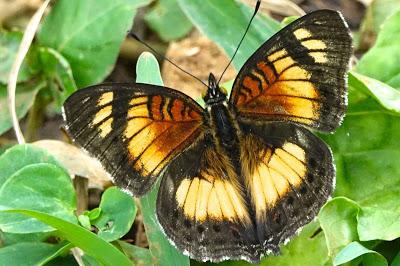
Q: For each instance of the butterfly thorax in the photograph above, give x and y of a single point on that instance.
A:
(219, 116)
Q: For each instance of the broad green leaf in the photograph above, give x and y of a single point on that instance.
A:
(42, 187)
(9, 44)
(366, 151)
(338, 219)
(7, 239)
(366, 148)
(383, 93)
(24, 98)
(30, 253)
(147, 71)
(57, 68)
(379, 216)
(140, 256)
(381, 61)
(308, 248)
(89, 261)
(20, 156)
(396, 260)
(89, 242)
(225, 21)
(118, 211)
(167, 19)
(355, 250)
(88, 34)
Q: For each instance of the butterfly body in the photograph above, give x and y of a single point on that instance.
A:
(242, 175)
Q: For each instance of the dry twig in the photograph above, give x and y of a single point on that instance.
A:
(29, 34)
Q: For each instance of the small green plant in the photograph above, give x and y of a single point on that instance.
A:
(77, 45)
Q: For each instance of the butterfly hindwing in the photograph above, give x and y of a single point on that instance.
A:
(289, 174)
(133, 129)
(299, 74)
(202, 209)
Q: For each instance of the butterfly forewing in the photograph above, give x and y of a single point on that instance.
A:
(133, 129)
(299, 74)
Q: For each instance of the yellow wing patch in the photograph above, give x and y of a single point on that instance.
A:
(102, 118)
(273, 173)
(217, 199)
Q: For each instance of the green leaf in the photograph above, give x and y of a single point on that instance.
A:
(93, 214)
(30, 253)
(20, 156)
(147, 71)
(379, 216)
(225, 21)
(308, 248)
(381, 62)
(396, 260)
(338, 219)
(88, 34)
(24, 98)
(387, 96)
(57, 68)
(36, 187)
(88, 261)
(355, 250)
(140, 256)
(366, 148)
(90, 243)
(7, 239)
(167, 19)
(366, 151)
(84, 221)
(118, 211)
(9, 44)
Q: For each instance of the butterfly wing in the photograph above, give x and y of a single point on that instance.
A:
(299, 74)
(202, 209)
(210, 214)
(135, 130)
(289, 174)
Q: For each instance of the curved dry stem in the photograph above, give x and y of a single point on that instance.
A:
(29, 34)
(281, 7)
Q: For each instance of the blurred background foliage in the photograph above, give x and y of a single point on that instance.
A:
(80, 219)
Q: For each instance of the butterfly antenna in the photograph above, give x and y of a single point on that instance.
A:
(133, 35)
(241, 40)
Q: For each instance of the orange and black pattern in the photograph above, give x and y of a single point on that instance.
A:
(239, 177)
(299, 74)
(134, 130)
(211, 213)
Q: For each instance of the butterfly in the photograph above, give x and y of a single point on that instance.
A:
(242, 175)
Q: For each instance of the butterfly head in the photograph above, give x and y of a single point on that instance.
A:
(214, 94)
